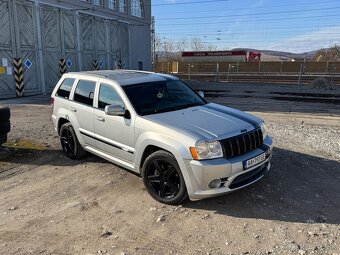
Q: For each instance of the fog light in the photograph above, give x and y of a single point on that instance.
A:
(214, 184)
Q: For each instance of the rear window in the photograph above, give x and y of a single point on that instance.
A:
(65, 88)
(84, 92)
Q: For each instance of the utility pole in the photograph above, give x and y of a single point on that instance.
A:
(153, 42)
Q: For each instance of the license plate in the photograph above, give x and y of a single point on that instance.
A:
(254, 161)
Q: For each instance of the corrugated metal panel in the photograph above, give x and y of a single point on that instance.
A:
(7, 86)
(50, 33)
(119, 40)
(26, 46)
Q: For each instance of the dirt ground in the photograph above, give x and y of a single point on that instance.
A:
(52, 205)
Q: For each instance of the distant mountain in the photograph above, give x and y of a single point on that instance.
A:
(267, 55)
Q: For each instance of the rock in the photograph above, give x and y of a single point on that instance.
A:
(13, 208)
(302, 252)
(152, 209)
(205, 216)
(161, 218)
(106, 234)
(293, 247)
(311, 233)
(310, 221)
(256, 236)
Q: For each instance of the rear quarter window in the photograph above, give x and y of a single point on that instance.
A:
(85, 92)
(65, 88)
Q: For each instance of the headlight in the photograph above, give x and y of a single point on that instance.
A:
(206, 150)
(264, 130)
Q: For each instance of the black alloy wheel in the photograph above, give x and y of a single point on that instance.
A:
(163, 179)
(70, 143)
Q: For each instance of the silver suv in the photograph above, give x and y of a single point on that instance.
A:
(155, 125)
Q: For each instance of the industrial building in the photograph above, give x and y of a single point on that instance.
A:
(41, 39)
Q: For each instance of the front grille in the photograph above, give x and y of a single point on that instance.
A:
(242, 144)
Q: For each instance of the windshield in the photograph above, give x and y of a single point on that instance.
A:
(164, 96)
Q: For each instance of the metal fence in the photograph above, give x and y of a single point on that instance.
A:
(41, 35)
(249, 67)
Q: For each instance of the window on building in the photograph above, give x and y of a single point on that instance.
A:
(84, 92)
(108, 96)
(112, 4)
(137, 8)
(97, 2)
(122, 6)
(65, 88)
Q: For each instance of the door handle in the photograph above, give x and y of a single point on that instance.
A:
(73, 109)
(100, 119)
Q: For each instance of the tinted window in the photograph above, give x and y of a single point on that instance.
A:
(107, 96)
(84, 92)
(157, 97)
(65, 88)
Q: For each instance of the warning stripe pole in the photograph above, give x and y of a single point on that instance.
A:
(95, 64)
(62, 66)
(19, 77)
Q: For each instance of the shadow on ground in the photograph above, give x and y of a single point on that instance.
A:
(299, 188)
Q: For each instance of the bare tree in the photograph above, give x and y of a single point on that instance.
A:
(197, 44)
(182, 44)
(331, 54)
(211, 47)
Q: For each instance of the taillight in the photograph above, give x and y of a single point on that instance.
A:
(52, 103)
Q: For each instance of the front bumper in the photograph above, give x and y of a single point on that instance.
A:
(198, 174)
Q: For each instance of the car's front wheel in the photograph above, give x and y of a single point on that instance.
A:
(70, 143)
(163, 178)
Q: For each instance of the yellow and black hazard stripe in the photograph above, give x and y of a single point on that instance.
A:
(95, 64)
(62, 66)
(19, 76)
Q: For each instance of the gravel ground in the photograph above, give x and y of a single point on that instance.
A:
(52, 205)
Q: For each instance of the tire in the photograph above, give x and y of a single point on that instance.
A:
(163, 178)
(3, 138)
(5, 114)
(5, 127)
(69, 142)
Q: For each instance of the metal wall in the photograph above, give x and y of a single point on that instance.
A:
(43, 34)
(18, 39)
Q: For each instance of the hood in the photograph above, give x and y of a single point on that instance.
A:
(210, 121)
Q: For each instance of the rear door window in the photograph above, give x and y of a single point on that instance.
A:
(85, 92)
(65, 88)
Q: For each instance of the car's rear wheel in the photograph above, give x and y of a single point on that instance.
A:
(163, 178)
(5, 127)
(70, 143)
(3, 138)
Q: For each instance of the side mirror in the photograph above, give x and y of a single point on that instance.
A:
(201, 93)
(114, 110)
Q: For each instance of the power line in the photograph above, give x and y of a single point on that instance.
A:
(260, 7)
(328, 26)
(251, 21)
(253, 14)
(193, 2)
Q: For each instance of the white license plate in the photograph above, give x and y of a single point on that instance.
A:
(254, 161)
